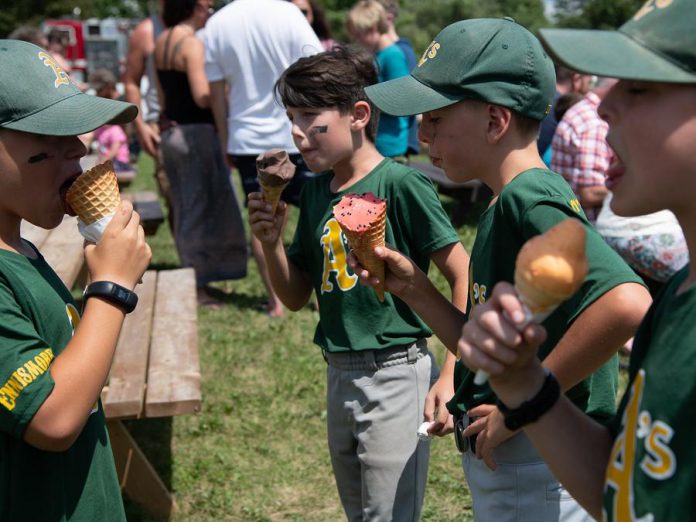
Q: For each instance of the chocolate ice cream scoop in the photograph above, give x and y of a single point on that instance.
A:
(274, 168)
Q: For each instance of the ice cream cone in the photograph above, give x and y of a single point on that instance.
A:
(274, 171)
(271, 194)
(94, 194)
(363, 219)
(551, 267)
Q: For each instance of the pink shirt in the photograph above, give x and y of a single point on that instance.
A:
(107, 135)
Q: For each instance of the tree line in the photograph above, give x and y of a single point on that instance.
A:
(419, 20)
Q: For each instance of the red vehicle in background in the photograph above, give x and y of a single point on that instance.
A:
(92, 44)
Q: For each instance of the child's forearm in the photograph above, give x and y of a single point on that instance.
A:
(596, 335)
(291, 284)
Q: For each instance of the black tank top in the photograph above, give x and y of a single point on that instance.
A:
(179, 104)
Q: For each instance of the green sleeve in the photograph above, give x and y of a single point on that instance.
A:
(25, 358)
(421, 223)
(606, 268)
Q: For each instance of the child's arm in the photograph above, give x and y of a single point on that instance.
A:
(81, 369)
(575, 447)
(292, 285)
(453, 263)
(597, 334)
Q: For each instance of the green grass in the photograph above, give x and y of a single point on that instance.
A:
(257, 449)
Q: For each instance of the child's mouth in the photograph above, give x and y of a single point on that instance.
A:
(614, 173)
(64, 192)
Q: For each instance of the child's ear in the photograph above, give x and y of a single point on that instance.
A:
(360, 116)
(499, 121)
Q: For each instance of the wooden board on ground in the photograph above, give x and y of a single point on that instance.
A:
(174, 380)
(129, 368)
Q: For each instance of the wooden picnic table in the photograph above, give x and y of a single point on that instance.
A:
(155, 370)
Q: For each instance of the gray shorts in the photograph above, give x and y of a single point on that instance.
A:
(522, 488)
(375, 402)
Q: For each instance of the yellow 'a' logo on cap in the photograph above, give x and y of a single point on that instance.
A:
(62, 77)
(650, 6)
(430, 52)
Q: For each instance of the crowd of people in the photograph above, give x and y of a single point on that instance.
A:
(598, 127)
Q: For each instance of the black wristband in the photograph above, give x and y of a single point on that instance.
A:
(116, 294)
(530, 411)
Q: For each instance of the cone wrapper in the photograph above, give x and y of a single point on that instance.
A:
(94, 198)
(274, 171)
(363, 220)
(550, 268)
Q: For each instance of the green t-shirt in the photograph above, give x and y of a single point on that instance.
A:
(350, 315)
(37, 319)
(651, 473)
(530, 204)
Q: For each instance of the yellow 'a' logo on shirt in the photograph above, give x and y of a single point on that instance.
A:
(659, 462)
(335, 255)
(62, 77)
(575, 205)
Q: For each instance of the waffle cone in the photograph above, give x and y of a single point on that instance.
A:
(94, 194)
(271, 194)
(363, 245)
(551, 267)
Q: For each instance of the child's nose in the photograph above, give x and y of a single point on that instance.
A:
(75, 148)
(425, 130)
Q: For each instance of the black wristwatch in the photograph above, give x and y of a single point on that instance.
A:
(113, 293)
(530, 411)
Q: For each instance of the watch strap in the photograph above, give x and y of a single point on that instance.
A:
(530, 411)
(112, 292)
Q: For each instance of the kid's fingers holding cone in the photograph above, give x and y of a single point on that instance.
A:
(274, 171)
(363, 219)
(549, 269)
(94, 198)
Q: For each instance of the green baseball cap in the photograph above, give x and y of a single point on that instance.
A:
(37, 96)
(658, 44)
(492, 60)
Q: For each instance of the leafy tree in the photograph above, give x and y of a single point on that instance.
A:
(595, 14)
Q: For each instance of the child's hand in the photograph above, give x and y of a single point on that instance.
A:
(400, 272)
(121, 255)
(492, 342)
(264, 225)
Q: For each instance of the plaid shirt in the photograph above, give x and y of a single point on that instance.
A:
(581, 153)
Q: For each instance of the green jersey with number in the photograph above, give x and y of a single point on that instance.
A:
(530, 204)
(652, 473)
(350, 315)
(37, 320)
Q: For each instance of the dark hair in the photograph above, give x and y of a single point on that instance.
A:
(102, 78)
(176, 11)
(333, 79)
(319, 24)
(565, 102)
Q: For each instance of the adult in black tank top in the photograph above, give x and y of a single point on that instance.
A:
(208, 229)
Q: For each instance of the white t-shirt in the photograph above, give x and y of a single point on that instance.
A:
(249, 43)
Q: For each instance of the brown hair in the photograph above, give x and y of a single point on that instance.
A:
(333, 79)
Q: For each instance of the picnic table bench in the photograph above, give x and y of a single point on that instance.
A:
(465, 194)
(155, 370)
